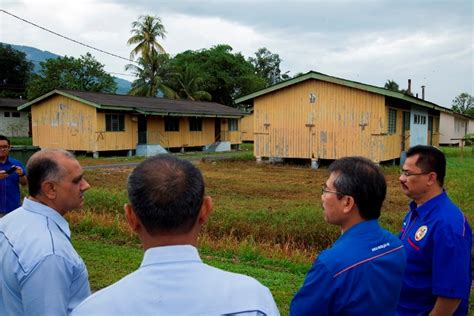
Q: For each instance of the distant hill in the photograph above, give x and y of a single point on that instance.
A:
(36, 56)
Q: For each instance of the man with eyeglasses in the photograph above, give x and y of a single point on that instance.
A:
(11, 175)
(437, 240)
(361, 274)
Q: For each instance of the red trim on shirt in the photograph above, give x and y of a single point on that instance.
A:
(366, 260)
(413, 244)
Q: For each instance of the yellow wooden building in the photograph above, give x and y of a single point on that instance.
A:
(316, 116)
(98, 122)
(246, 128)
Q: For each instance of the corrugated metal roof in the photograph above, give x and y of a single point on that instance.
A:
(145, 105)
(11, 103)
(348, 83)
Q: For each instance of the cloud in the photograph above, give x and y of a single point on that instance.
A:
(369, 41)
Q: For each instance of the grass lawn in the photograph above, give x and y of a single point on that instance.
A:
(267, 221)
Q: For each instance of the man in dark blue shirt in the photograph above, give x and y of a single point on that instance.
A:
(437, 239)
(11, 175)
(361, 274)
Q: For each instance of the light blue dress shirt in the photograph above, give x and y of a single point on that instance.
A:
(40, 272)
(173, 280)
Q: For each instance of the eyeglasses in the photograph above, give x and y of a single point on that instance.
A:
(4, 147)
(409, 174)
(324, 190)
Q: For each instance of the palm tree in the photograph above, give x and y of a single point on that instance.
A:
(392, 85)
(146, 30)
(151, 72)
(189, 85)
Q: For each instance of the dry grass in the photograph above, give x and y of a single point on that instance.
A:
(275, 208)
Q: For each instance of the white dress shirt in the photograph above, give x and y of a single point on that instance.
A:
(173, 280)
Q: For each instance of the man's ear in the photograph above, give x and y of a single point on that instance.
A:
(206, 210)
(432, 178)
(48, 189)
(349, 204)
(132, 218)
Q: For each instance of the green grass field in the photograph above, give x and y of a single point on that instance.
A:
(267, 221)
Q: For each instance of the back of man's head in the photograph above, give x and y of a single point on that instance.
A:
(42, 166)
(166, 194)
(430, 159)
(364, 181)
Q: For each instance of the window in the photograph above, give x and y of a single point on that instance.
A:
(6, 114)
(114, 122)
(419, 119)
(233, 125)
(15, 114)
(459, 126)
(171, 124)
(392, 121)
(195, 124)
(406, 121)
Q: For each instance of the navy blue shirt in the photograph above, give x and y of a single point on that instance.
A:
(437, 239)
(9, 187)
(360, 275)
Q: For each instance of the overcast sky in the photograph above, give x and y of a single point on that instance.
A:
(370, 41)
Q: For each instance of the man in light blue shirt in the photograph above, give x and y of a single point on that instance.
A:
(40, 272)
(167, 210)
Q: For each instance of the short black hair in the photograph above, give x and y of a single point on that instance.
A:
(3, 137)
(364, 181)
(430, 159)
(43, 166)
(166, 194)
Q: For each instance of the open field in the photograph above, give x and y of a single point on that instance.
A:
(267, 220)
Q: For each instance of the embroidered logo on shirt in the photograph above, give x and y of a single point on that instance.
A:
(421, 232)
(382, 246)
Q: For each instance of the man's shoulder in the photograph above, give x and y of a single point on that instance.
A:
(237, 280)
(15, 162)
(32, 238)
(447, 216)
(354, 252)
(172, 288)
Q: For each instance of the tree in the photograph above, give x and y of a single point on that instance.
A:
(190, 85)
(267, 65)
(225, 75)
(464, 104)
(84, 73)
(392, 86)
(145, 32)
(15, 71)
(152, 70)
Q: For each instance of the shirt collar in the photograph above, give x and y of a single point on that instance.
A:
(38, 208)
(428, 206)
(360, 228)
(167, 254)
(8, 161)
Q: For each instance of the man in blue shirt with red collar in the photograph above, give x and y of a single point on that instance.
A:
(11, 175)
(361, 274)
(437, 239)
